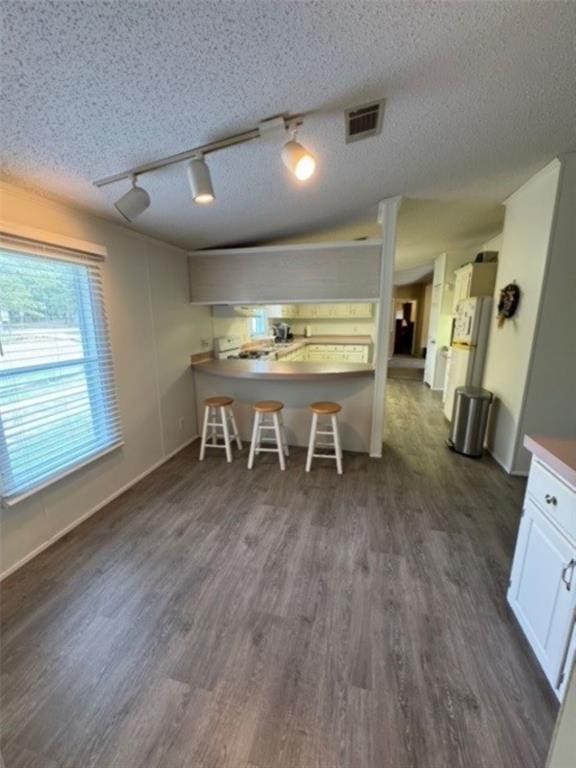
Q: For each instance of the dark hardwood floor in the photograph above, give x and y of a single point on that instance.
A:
(216, 617)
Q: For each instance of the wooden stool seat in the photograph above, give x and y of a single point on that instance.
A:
(218, 402)
(327, 407)
(268, 406)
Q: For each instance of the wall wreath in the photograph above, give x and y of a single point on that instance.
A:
(508, 303)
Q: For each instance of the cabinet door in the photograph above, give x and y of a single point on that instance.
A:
(542, 590)
(462, 285)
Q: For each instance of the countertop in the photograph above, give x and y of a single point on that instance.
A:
(276, 370)
(559, 453)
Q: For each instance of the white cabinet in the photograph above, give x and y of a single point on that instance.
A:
(329, 353)
(474, 280)
(542, 589)
(289, 310)
(322, 311)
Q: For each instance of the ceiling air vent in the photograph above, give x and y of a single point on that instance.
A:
(365, 121)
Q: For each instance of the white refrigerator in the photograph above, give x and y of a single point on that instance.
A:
(468, 348)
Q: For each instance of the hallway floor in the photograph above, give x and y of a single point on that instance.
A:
(213, 617)
(406, 367)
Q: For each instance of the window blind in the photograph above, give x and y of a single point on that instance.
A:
(58, 406)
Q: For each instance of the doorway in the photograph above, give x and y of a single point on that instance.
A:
(405, 315)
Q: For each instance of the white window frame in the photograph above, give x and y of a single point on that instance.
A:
(31, 241)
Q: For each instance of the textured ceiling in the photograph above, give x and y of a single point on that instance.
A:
(480, 95)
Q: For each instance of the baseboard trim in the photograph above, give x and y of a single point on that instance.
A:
(499, 461)
(93, 510)
(508, 469)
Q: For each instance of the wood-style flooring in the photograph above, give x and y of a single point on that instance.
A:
(214, 617)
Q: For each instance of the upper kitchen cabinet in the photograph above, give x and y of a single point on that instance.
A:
(277, 311)
(474, 280)
(360, 311)
(314, 272)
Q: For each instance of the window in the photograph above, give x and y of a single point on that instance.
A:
(259, 323)
(57, 400)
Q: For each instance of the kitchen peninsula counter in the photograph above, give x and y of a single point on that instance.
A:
(297, 385)
(276, 370)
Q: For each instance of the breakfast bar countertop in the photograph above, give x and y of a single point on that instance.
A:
(276, 370)
(559, 453)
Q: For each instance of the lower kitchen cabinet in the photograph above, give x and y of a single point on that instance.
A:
(542, 591)
(329, 353)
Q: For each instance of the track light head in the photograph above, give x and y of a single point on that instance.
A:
(200, 181)
(298, 160)
(133, 203)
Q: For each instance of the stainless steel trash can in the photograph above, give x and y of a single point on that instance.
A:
(469, 420)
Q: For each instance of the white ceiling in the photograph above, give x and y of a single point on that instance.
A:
(480, 95)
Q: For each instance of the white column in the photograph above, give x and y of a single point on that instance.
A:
(387, 218)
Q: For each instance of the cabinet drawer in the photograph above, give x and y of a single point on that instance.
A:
(553, 496)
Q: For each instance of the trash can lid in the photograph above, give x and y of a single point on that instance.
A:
(474, 393)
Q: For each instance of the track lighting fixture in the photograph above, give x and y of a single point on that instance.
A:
(295, 157)
(133, 203)
(298, 160)
(200, 181)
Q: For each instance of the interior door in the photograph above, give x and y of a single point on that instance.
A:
(432, 342)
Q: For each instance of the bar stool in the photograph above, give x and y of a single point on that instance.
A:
(272, 409)
(318, 410)
(218, 415)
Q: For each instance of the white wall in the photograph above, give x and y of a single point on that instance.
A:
(232, 326)
(154, 329)
(523, 255)
(550, 402)
(495, 244)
